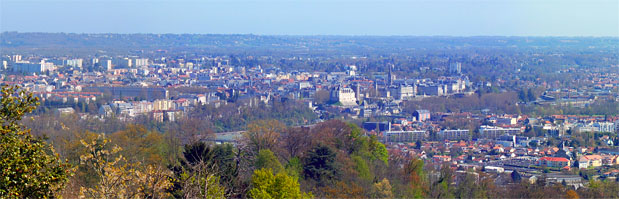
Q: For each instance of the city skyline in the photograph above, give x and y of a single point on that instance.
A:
(342, 17)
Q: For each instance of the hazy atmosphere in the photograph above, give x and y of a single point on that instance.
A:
(322, 17)
(302, 99)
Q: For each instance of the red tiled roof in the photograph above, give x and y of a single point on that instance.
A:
(554, 159)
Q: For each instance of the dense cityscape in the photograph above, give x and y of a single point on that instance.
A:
(413, 119)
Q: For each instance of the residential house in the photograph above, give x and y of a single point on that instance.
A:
(587, 161)
(554, 162)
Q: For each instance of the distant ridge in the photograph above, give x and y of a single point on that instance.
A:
(64, 43)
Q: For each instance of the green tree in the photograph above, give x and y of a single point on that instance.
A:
(294, 167)
(29, 167)
(198, 182)
(266, 159)
(266, 185)
(361, 167)
(201, 165)
(531, 95)
(379, 151)
(320, 164)
(367, 147)
(516, 176)
(523, 96)
(418, 144)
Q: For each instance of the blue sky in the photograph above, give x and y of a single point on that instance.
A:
(316, 17)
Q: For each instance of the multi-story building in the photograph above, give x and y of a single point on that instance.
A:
(569, 180)
(404, 136)
(107, 64)
(123, 109)
(377, 126)
(454, 87)
(16, 58)
(403, 92)
(28, 67)
(74, 62)
(122, 62)
(346, 96)
(140, 62)
(106, 111)
(459, 134)
(163, 105)
(455, 68)
(492, 132)
(437, 90)
(422, 115)
(596, 127)
(587, 161)
(557, 162)
(604, 126)
(142, 107)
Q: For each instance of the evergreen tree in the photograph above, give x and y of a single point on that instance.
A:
(523, 96)
(418, 144)
(201, 165)
(319, 164)
(531, 95)
(516, 176)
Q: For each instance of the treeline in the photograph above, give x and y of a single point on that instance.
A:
(605, 107)
(509, 102)
(496, 102)
(234, 116)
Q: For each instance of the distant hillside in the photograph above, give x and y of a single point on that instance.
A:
(70, 43)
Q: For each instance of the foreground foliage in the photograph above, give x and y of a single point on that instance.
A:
(119, 179)
(29, 167)
(266, 185)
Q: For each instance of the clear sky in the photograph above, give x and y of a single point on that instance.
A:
(316, 17)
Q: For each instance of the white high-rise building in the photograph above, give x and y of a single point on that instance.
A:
(29, 68)
(107, 64)
(604, 126)
(189, 65)
(140, 62)
(74, 62)
(16, 58)
(455, 68)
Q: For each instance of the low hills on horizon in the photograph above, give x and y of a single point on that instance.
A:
(74, 43)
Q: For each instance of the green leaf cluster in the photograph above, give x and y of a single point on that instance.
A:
(266, 185)
(29, 167)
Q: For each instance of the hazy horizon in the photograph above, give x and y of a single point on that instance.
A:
(316, 35)
(455, 18)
